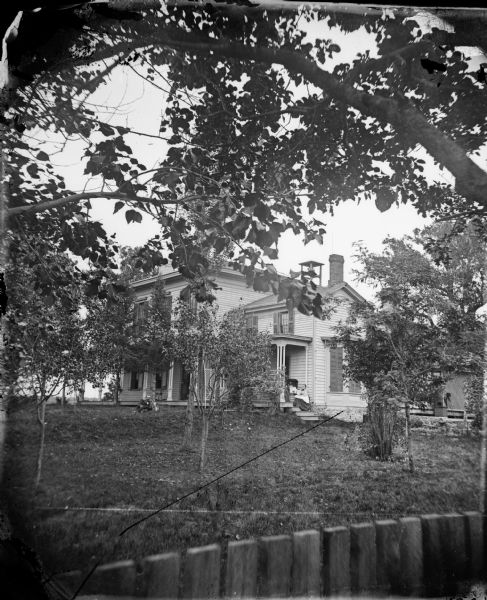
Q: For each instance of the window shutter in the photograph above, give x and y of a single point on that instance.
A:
(276, 322)
(291, 321)
(255, 322)
(336, 369)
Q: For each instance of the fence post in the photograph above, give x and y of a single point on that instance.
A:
(201, 575)
(276, 557)
(114, 579)
(306, 569)
(433, 555)
(336, 560)
(410, 556)
(241, 569)
(69, 581)
(455, 552)
(474, 525)
(160, 575)
(362, 557)
(388, 558)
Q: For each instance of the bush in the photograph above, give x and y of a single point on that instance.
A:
(384, 428)
(415, 422)
(473, 390)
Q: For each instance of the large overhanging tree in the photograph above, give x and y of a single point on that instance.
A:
(254, 117)
(262, 132)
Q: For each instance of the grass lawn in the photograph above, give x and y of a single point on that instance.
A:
(104, 457)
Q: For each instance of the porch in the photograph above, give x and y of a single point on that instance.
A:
(291, 356)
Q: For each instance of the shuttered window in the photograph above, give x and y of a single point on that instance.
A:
(140, 315)
(336, 369)
(284, 322)
(252, 322)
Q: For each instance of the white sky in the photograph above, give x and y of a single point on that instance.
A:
(140, 107)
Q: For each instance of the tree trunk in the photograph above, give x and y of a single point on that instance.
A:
(408, 437)
(483, 445)
(4, 386)
(189, 416)
(204, 438)
(116, 396)
(63, 394)
(40, 457)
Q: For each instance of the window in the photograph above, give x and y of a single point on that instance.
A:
(284, 322)
(252, 322)
(140, 315)
(189, 298)
(140, 310)
(167, 304)
(336, 369)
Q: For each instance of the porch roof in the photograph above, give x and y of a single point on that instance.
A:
(290, 338)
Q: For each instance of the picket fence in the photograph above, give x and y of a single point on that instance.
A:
(432, 555)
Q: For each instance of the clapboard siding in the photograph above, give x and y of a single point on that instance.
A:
(320, 372)
(303, 324)
(266, 321)
(234, 293)
(297, 360)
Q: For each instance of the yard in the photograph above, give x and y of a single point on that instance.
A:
(106, 457)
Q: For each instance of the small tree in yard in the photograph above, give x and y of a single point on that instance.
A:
(214, 350)
(108, 335)
(424, 321)
(247, 363)
(393, 354)
(48, 351)
(121, 336)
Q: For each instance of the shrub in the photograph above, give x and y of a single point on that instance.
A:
(473, 389)
(416, 422)
(384, 428)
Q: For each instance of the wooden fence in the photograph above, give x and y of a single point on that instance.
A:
(431, 555)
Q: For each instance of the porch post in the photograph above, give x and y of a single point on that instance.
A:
(170, 377)
(281, 363)
(145, 384)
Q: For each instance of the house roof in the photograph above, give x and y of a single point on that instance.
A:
(174, 274)
(271, 299)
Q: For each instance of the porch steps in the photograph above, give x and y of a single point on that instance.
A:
(307, 415)
(261, 404)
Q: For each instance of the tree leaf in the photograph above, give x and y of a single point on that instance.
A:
(118, 205)
(133, 215)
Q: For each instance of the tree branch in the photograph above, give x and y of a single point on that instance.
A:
(471, 180)
(34, 208)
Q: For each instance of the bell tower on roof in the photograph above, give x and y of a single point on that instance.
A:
(313, 265)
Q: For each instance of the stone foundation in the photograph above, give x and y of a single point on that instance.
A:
(349, 414)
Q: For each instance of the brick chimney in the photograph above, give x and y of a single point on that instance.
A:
(336, 269)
